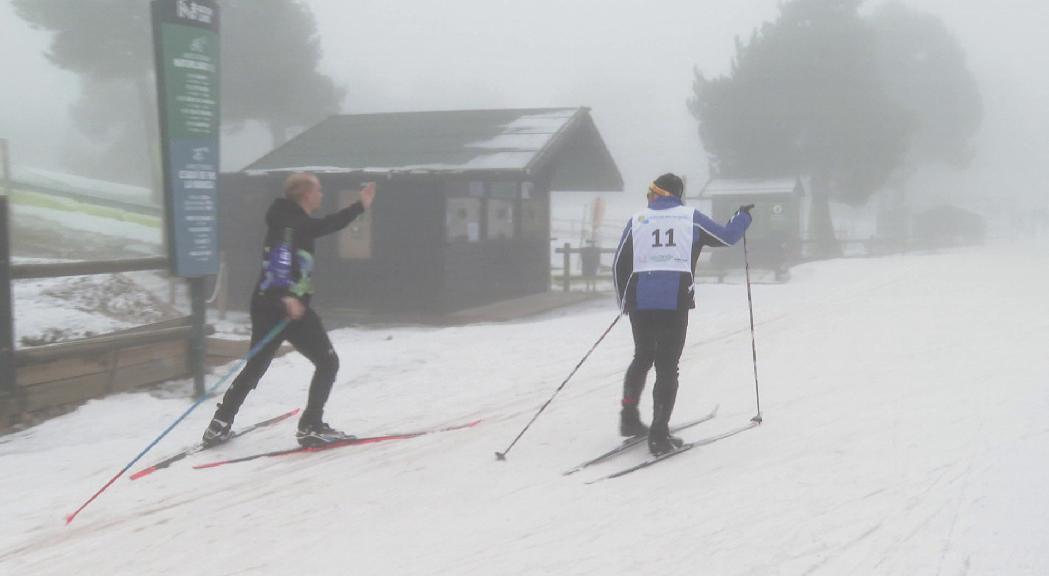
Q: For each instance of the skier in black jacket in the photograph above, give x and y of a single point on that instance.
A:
(283, 291)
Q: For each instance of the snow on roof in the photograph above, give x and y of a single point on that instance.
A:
(420, 142)
(313, 169)
(511, 160)
(750, 186)
(519, 141)
(514, 142)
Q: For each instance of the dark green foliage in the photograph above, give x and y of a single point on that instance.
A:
(805, 97)
(101, 39)
(846, 99)
(270, 51)
(923, 68)
(270, 54)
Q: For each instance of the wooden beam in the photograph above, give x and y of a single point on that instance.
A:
(152, 372)
(98, 344)
(66, 391)
(65, 368)
(156, 351)
(60, 269)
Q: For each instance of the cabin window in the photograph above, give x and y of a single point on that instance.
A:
(463, 212)
(355, 240)
(502, 198)
(533, 213)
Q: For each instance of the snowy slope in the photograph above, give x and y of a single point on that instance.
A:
(904, 403)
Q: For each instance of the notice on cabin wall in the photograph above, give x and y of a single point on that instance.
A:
(355, 241)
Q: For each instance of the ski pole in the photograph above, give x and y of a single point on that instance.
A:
(251, 353)
(753, 346)
(502, 455)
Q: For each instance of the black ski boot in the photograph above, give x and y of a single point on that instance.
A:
(661, 442)
(219, 430)
(659, 439)
(314, 433)
(630, 423)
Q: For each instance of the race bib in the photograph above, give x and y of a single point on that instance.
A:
(663, 240)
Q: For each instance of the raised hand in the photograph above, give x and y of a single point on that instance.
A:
(368, 195)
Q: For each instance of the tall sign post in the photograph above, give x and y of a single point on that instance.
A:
(7, 336)
(186, 46)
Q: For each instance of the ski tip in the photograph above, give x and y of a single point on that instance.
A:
(143, 472)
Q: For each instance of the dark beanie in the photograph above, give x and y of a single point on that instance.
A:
(671, 183)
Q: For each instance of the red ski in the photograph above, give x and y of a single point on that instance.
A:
(199, 447)
(340, 444)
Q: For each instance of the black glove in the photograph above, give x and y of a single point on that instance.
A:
(745, 209)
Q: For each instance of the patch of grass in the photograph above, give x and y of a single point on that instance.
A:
(36, 199)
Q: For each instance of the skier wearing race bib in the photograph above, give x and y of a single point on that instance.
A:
(283, 291)
(653, 270)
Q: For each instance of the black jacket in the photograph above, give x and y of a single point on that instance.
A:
(287, 219)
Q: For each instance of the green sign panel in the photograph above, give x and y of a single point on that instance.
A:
(191, 81)
(186, 40)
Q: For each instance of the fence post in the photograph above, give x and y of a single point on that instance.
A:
(198, 347)
(568, 267)
(223, 280)
(7, 338)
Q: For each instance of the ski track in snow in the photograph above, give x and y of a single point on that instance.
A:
(904, 401)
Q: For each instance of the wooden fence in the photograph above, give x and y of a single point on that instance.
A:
(70, 372)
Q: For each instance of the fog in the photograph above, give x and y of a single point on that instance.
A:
(902, 371)
(631, 62)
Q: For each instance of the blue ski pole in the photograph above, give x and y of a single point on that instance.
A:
(251, 353)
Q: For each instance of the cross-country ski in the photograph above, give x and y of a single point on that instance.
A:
(338, 444)
(199, 447)
(636, 440)
(675, 451)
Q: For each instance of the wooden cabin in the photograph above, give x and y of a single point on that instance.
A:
(462, 211)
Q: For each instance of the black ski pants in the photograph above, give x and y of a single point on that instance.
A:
(659, 338)
(308, 336)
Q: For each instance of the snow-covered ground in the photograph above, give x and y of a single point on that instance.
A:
(52, 310)
(905, 433)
